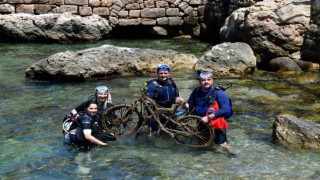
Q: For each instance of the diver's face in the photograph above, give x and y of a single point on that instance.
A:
(206, 83)
(102, 96)
(92, 109)
(163, 75)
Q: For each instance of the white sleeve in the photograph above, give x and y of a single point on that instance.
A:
(87, 131)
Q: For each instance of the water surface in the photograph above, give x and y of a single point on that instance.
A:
(31, 114)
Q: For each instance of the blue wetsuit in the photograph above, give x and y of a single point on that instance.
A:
(164, 93)
(201, 101)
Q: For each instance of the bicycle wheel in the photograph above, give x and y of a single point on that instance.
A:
(191, 131)
(121, 120)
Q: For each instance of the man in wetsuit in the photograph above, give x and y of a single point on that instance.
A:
(163, 90)
(212, 104)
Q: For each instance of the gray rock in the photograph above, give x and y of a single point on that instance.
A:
(271, 28)
(284, 64)
(292, 131)
(52, 27)
(228, 59)
(104, 61)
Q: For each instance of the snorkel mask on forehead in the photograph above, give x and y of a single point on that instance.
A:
(204, 75)
(163, 67)
(100, 89)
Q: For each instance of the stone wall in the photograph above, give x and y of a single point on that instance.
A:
(118, 12)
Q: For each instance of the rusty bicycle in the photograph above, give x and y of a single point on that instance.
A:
(124, 119)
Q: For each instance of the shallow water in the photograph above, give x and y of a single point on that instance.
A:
(31, 114)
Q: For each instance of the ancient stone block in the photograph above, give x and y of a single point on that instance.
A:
(194, 13)
(126, 2)
(113, 12)
(141, 5)
(177, 2)
(153, 13)
(123, 14)
(149, 4)
(133, 6)
(175, 21)
(188, 10)
(172, 12)
(102, 11)
(55, 2)
(25, 8)
(44, 9)
(129, 22)
(197, 2)
(115, 8)
(148, 21)
(85, 11)
(28, 1)
(191, 20)
(76, 2)
(120, 4)
(162, 4)
(134, 13)
(94, 3)
(183, 6)
(162, 21)
(113, 21)
(67, 8)
(6, 8)
(107, 3)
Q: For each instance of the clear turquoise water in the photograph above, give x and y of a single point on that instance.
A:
(31, 114)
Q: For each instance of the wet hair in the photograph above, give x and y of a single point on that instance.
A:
(89, 102)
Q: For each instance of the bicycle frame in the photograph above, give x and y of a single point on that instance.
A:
(130, 118)
(150, 110)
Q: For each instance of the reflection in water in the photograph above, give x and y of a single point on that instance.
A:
(32, 142)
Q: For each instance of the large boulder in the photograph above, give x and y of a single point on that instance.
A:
(64, 27)
(272, 28)
(228, 59)
(105, 61)
(292, 131)
(311, 45)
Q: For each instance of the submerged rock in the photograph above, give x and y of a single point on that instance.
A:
(104, 61)
(292, 131)
(284, 64)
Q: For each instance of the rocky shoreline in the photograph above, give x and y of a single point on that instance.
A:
(282, 34)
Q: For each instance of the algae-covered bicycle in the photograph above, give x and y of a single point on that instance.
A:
(126, 119)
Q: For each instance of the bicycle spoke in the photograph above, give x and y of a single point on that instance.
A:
(192, 132)
(121, 120)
